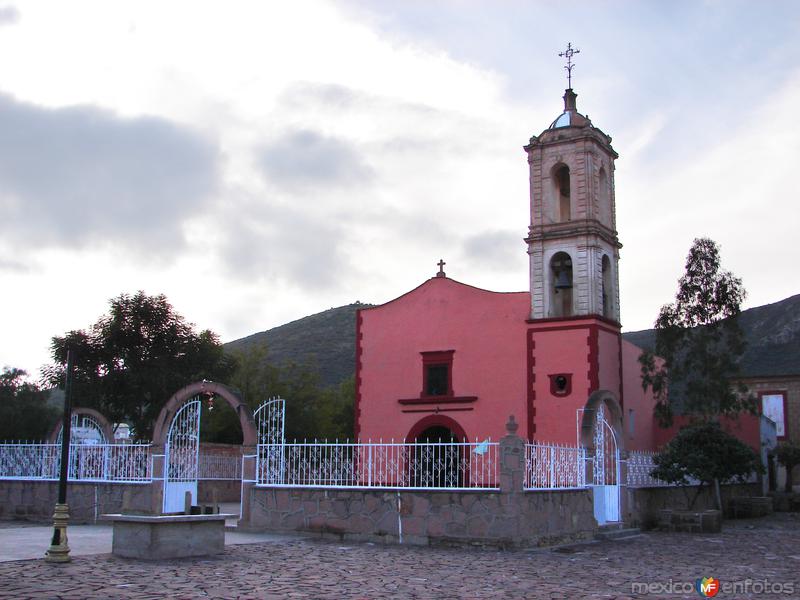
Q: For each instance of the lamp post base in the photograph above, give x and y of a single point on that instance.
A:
(59, 549)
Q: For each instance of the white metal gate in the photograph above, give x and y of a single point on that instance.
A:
(605, 470)
(270, 461)
(182, 456)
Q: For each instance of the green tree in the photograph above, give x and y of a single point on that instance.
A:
(133, 359)
(24, 411)
(708, 454)
(788, 454)
(699, 343)
(334, 419)
(312, 410)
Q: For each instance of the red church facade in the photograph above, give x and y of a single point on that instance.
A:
(454, 361)
(493, 361)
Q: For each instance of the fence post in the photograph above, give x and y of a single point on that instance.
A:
(250, 476)
(512, 459)
(369, 465)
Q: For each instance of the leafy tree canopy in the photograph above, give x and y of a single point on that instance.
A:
(312, 410)
(24, 412)
(134, 358)
(699, 342)
(706, 453)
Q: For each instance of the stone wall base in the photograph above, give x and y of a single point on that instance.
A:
(437, 518)
(690, 521)
(641, 506)
(35, 500)
(786, 502)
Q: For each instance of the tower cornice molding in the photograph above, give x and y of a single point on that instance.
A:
(567, 136)
(572, 230)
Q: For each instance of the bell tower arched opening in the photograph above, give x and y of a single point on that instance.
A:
(607, 289)
(603, 201)
(562, 193)
(561, 285)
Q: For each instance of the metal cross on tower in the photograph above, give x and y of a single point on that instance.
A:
(441, 264)
(568, 53)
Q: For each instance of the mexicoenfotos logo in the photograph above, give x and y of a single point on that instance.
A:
(707, 587)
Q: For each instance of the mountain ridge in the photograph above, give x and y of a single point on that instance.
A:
(326, 341)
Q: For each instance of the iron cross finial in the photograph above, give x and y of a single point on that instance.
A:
(568, 53)
(441, 264)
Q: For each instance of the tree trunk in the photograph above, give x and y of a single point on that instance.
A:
(718, 495)
(789, 484)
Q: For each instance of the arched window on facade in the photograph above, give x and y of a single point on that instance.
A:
(603, 199)
(563, 202)
(561, 285)
(608, 290)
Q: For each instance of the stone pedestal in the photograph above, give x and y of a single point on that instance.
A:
(152, 537)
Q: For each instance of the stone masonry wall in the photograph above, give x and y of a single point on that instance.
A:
(228, 490)
(35, 500)
(641, 505)
(436, 518)
(508, 518)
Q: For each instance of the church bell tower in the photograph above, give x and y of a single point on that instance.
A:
(572, 239)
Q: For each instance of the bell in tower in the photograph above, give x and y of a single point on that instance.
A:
(572, 238)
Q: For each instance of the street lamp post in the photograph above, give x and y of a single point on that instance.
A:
(59, 549)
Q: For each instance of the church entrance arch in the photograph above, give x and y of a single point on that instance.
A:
(438, 455)
(177, 430)
(600, 429)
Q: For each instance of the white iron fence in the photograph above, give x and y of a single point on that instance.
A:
(87, 462)
(554, 467)
(341, 465)
(640, 464)
(442, 465)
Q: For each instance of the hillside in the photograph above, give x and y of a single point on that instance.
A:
(326, 340)
(772, 332)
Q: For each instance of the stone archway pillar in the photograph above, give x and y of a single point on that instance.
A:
(512, 460)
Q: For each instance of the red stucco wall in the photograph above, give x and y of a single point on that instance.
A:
(637, 402)
(500, 358)
(486, 330)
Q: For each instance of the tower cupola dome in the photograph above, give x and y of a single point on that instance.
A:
(570, 117)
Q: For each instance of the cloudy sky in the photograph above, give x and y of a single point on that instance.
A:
(261, 161)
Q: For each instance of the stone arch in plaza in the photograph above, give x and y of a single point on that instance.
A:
(176, 445)
(211, 389)
(96, 419)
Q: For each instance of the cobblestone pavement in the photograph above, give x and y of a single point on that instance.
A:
(758, 549)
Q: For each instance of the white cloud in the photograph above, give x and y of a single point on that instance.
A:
(79, 175)
(303, 155)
